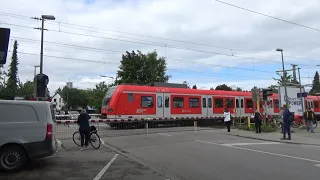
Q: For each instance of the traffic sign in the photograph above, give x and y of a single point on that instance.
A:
(304, 94)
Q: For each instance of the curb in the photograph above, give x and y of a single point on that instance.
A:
(264, 139)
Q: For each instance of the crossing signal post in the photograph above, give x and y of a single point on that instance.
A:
(266, 93)
(41, 82)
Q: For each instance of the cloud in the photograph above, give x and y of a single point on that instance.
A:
(81, 54)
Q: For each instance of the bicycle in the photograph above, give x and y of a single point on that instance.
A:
(93, 137)
(297, 122)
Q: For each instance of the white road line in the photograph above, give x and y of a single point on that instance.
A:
(317, 165)
(245, 144)
(102, 142)
(264, 152)
(103, 170)
(164, 134)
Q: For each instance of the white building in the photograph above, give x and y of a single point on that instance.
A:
(57, 101)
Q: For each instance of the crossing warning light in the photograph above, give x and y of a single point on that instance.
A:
(266, 93)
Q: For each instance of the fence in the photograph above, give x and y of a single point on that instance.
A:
(121, 127)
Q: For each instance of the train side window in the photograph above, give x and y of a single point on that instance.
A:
(271, 103)
(209, 103)
(218, 103)
(166, 102)
(311, 104)
(178, 102)
(276, 103)
(237, 103)
(229, 103)
(194, 102)
(204, 103)
(146, 101)
(130, 97)
(249, 103)
(316, 104)
(241, 103)
(159, 101)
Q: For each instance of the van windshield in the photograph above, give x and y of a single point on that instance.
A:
(108, 96)
(52, 113)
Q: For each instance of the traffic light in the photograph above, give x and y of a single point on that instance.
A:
(41, 82)
(266, 93)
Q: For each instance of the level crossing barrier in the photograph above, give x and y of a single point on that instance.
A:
(142, 126)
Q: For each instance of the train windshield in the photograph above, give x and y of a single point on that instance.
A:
(108, 96)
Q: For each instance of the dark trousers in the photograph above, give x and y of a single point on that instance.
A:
(286, 129)
(84, 137)
(258, 128)
(228, 124)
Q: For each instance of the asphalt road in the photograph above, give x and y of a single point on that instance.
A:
(212, 156)
(73, 164)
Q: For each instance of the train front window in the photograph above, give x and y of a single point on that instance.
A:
(108, 96)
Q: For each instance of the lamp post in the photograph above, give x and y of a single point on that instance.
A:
(284, 77)
(43, 18)
(108, 77)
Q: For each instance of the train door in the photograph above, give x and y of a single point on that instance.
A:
(239, 108)
(204, 106)
(163, 105)
(270, 106)
(210, 106)
(310, 104)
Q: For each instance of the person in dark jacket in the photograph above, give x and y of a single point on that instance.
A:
(84, 128)
(287, 115)
(257, 121)
(309, 117)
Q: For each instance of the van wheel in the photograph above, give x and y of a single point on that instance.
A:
(12, 158)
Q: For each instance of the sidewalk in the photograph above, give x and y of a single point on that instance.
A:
(299, 136)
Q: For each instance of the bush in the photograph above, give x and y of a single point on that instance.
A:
(264, 128)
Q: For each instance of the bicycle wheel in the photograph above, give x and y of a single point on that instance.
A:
(277, 123)
(295, 124)
(95, 140)
(77, 138)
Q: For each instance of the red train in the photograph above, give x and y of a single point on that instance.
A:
(134, 101)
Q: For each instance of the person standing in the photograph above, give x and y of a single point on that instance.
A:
(287, 116)
(257, 121)
(309, 118)
(84, 128)
(227, 118)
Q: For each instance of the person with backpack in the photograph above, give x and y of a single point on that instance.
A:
(84, 128)
(309, 118)
(257, 121)
(287, 116)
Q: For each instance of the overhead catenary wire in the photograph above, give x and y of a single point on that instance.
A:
(60, 24)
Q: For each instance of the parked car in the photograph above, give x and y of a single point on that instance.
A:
(74, 115)
(27, 131)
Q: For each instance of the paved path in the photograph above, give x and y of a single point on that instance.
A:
(209, 155)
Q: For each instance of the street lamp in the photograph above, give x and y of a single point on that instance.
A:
(284, 77)
(35, 70)
(108, 77)
(43, 17)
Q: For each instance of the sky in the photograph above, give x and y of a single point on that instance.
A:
(205, 42)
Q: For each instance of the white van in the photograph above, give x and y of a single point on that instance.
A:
(27, 131)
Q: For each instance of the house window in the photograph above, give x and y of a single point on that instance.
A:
(178, 102)
(54, 100)
(194, 102)
(218, 103)
(59, 100)
(146, 101)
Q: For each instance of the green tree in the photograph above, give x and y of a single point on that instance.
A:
(223, 87)
(194, 86)
(96, 95)
(26, 89)
(239, 89)
(142, 68)
(74, 98)
(289, 79)
(12, 84)
(315, 84)
(274, 88)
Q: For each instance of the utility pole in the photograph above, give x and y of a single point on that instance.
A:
(301, 98)
(294, 72)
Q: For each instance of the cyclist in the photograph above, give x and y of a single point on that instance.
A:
(84, 128)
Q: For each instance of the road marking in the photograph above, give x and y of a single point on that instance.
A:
(208, 130)
(264, 152)
(102, 142)
(246, 144)
(164, 134)
(103, 170)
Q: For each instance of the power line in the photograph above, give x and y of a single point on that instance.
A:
(180, 60)
(272, 17)
(186, 42)
(169, 69)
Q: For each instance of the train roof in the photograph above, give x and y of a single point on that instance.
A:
(155, 89)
